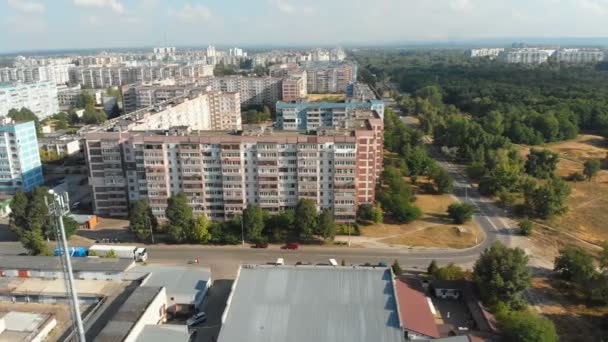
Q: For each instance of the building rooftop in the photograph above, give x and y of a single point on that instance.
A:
(50, 263)
(416, 315)
(129, 313)
(22, 326)
(302, 303)
(185, 284)
(163, 333)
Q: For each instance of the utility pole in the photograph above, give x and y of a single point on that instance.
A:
(57, 208)
(242, 231)
(150, 227)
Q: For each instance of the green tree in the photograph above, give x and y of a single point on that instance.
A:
(369, 212)
(460, 212)
(541, 163)
(432, 267)
(200, 230)
(179, 217)
(604, 256)
(525, 326)
(442, 180)
(326, 225)
(449, 272)
(253, 220)
(306, 218)
(25, 115)
(574, 263)
(85, 100)
(591, 168)
(547, 199)
(396, 268)
(141, 220)
(93, 117)
(525, 227)
(502, 274)
(281, 225)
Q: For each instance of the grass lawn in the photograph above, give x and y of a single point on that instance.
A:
(588, 201)
(433, 229)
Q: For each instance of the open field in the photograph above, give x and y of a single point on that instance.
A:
(433, 229)
(575, 320)
(587, 216)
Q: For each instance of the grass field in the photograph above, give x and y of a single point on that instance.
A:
(433, 229)
(588, 201)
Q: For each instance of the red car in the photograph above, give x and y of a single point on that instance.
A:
(291, 246)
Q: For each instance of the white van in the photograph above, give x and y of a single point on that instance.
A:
(333, 262)
(280, 262)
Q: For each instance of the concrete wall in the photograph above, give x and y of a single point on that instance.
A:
(154, 314)
(45, 330)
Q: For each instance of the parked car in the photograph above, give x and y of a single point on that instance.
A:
(261, 245)
(75, 206)
(292, 245)
(382, 264)
(198, 318)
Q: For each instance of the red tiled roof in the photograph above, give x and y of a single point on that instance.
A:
(416, 316)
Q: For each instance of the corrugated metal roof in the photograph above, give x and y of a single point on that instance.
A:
(185, 284)
(49, 263)
(301, 303)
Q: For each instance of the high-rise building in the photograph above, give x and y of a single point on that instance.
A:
(20, 166)
(579, 55)
(313, 116)
(39, 97)
(253, 90)
(294, 86)
(103, 77)
(57, 73)
(329, 77)
(222, 172)
(526, 55)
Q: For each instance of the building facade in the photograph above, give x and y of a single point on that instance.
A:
(294, 87)
(62, 145)
(311, 116)
(20, 166)
(526, 56)
(329, 77)
(57, 73)
(39, 97)
(70, 97)
(103, 77)
(484, 52)
(222, 172)
(580, 55)
(253, 90)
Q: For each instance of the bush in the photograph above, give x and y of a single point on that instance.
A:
(449, 272)
(525, 326)
(460, 212)
(576, 177)
(525, 227)
(397, 268)
(432, 268)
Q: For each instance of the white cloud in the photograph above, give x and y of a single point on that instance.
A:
(26, 6)
(23, 24)
(114, 5)
(286, 7)
(192, 13)
(596, 6)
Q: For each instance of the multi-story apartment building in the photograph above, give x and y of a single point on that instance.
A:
(579, 55)
(222, 172)
(225, 110)
(39, 97)
(294, 86)
(135, 97)
(20, 166)
(312, 116)
(103, 77)
(526, 55)
(57, 73)
(329, 77)
(253, 90)
(70, 97)
(484, 52)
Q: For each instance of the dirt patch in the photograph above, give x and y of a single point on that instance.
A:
(433, 229)
(326, 97)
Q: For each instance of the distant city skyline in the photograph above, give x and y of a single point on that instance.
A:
(34, 25)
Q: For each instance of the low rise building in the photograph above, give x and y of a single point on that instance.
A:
(20, 166)
(311, 303)
(490, 53)
(39, 97)
(61, 145)
(18, 326)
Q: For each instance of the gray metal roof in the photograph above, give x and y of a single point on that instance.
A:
(129, 313)
(185, 284)
(163, 333)
(303, 304)
(50, 263)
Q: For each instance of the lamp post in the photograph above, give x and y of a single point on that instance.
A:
(242, 231)
(58, 207)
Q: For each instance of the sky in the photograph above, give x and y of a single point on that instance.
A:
(80, 24)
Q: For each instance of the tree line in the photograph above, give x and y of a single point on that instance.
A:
(255, 224)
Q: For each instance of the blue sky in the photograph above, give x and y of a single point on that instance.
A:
(71, 24)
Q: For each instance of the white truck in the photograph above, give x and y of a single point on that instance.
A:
(123, 252)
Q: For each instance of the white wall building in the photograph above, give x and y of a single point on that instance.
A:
(57, 73)
(63, 145)
(484, 52)
(580, 55)
(526, 55)
(252, 90)
(39, 97)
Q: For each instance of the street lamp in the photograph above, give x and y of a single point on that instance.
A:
(58, 207)
(242, 232)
